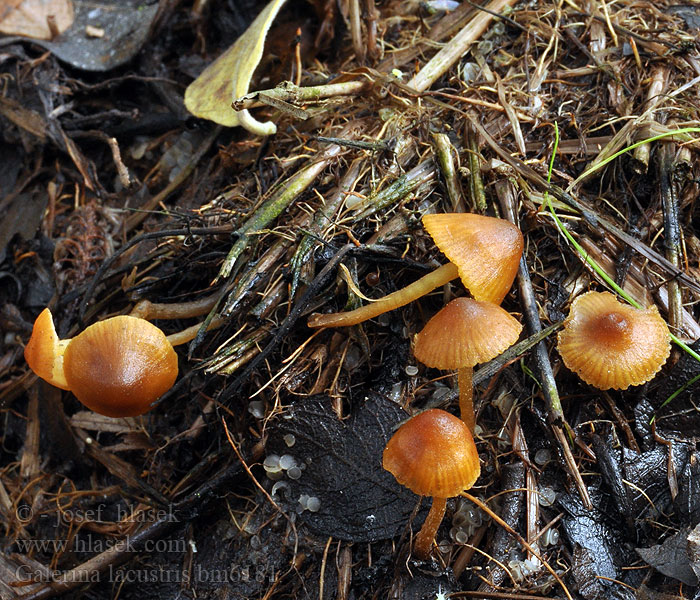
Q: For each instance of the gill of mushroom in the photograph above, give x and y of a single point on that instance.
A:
(611, 345)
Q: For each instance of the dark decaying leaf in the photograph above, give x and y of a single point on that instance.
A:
(672, 557)
(598, 543)
(121, 28)
(620, 465)
(679, 416)
(359, 500)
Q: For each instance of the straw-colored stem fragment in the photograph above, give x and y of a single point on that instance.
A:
(415, 290)
(444, 150)
(186, 335)
(288, 92)
(655, 92)
(356, 30)
(426, 535)
(457, 47)
(672, 233)
(466, 397)
(145, 309)
(280, 198)
(476, 183)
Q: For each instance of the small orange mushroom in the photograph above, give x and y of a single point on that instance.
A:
(465, 333)
(433, 454)
(484, 252)
(117, 367)
(613, 345)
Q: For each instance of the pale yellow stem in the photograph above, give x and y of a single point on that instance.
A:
(426, 535)
(415, 290)
(466, 397)
(148, 310)
(187, 335)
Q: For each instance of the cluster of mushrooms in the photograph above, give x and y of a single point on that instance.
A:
(608, 344)
(120, 366)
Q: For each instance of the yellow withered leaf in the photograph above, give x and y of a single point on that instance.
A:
(228, 77)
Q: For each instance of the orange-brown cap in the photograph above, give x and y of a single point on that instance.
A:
(486, 251)
(433, 454)
(613, 345)
(44, 351)
(464, 333)
(118, 367)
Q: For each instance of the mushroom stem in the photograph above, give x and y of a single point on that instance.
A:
(148, 310)
(411, 292)
(426, 535)
(187, 335)
(466, 397)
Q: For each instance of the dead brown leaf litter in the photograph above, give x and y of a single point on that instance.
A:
(111, 195)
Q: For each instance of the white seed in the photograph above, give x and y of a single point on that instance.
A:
(543, 456)
(272, 464)
(287, 461)
(550, 537)
(278, 487)
(547, 496)
(461, 536)
(257, 409)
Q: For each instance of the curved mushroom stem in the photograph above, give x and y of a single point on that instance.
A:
(466, 397)
(426, 535)
(145, 309)
(187, 335)
(413, 291)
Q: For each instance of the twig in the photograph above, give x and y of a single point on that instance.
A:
(322, 223)
(506, 195)
(672, 233)
(457, 46)
(290, 93)
(483, 506)
(398, 190)
(288, 323)
(444, 150)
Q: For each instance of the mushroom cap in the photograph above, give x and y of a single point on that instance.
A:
(486, 251)
(118, 367)
(464, 333)
(433, 454)
(44, 351)
(613, 345)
